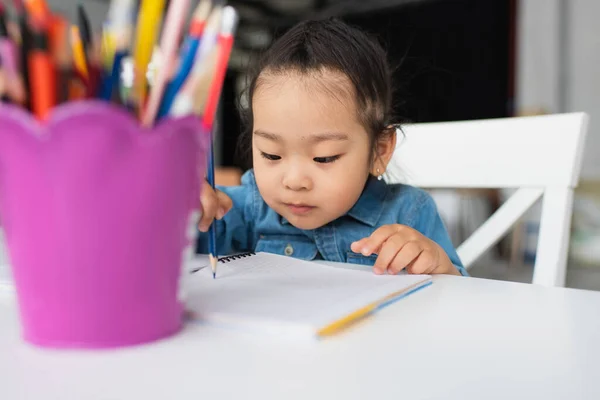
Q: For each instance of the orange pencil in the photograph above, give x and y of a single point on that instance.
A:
(38, 10)
(42, 75)
(61, 55)
(57, 34)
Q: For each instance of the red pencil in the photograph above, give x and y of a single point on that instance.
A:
(225, 43)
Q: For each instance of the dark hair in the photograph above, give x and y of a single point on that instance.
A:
(314, 46)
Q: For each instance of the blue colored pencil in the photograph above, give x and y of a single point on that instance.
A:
(189, 55)
(175, 85)
(212, 236)
(110, 83)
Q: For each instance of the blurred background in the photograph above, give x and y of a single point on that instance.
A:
(456, 60)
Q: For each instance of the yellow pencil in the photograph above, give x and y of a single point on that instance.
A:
(79, 56)
(149, 19)
(343, 322)
(108, 50)
(355, 316)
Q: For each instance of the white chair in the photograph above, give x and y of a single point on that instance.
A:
(539, 156)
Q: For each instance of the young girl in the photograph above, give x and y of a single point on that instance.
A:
(321, 133)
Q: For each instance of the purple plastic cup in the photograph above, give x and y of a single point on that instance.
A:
(95, 210)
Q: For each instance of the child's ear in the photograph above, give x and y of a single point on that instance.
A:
(384, 150)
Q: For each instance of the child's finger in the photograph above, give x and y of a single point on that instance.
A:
(224, 203)
(358, 245)
(373, 243)
(425, 264)
(388, 252)
(210, 204)
(408, 255)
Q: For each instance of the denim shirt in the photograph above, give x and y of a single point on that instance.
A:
(251, 225)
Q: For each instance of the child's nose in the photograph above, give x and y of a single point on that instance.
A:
(296, 179)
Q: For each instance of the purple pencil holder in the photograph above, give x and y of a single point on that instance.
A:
(95, 210)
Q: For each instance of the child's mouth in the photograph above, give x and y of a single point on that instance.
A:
(299, 209)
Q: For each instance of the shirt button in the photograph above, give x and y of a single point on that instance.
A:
(289, 250)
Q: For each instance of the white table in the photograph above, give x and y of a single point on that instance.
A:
(461, 338)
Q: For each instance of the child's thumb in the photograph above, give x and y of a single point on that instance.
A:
(225, 204)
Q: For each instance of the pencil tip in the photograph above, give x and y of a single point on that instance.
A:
(213, 265)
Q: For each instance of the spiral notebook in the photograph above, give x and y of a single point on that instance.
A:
(279, 295)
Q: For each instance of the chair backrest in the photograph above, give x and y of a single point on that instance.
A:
(540, 156)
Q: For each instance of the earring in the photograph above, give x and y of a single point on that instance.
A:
(379, 175)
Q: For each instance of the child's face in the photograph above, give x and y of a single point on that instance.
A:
(311, 155)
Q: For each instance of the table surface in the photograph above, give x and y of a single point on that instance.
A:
(460, 338)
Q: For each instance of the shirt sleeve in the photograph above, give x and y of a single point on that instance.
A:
(234, 229)
(431, 225)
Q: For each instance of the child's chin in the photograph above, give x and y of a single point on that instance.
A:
(306, 223)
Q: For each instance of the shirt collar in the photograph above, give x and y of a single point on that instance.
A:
(369, 206)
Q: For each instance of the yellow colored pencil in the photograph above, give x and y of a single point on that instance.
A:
(108, 50)
(343, 322)
(355, 316)
(79, 56)
(149, 19)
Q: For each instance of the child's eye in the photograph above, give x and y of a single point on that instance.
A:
(325, 160)
(270, 157)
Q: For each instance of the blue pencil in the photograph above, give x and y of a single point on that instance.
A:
(189, 55)
(212, 235)
(111, 80)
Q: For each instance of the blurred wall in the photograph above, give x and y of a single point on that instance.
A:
(583, 75)
(558, 63)
(96, 9)
(537, 56)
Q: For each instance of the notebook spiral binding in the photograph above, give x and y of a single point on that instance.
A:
(235, 257)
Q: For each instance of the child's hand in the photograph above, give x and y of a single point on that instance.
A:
(213, 204)
(399, 246)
